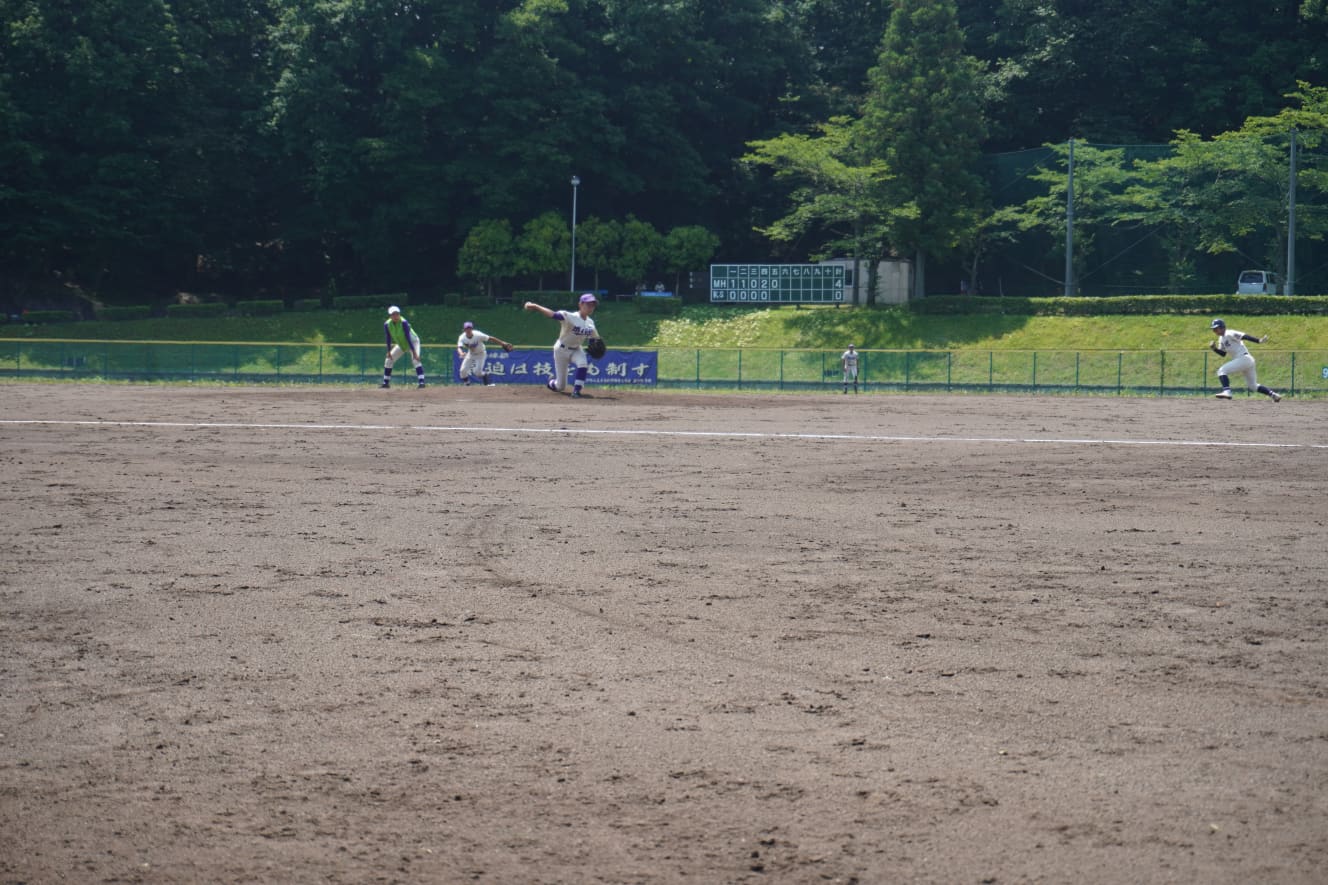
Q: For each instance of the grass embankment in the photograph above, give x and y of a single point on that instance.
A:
(704, 326)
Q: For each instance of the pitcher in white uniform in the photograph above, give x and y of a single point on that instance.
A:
(576, 328)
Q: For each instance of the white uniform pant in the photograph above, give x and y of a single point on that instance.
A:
(472, 364)
(563, 357)
(1244, 366)
(397, 353)
(851, 375)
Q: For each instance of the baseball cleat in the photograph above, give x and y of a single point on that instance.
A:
(384, 386)
(1225, 394)
(421, 385)
(1277, 397)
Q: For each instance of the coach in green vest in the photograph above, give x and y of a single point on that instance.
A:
(401, 339)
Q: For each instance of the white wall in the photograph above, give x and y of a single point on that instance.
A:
(893, 281)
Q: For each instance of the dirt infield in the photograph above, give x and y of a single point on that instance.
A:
(328, 635)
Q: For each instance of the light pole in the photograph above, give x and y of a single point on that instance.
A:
(576, 182)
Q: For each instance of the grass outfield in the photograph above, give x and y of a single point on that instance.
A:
(704, 326)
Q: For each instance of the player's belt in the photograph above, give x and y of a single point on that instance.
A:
(565, 347)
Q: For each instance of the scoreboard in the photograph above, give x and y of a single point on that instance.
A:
(777, 283)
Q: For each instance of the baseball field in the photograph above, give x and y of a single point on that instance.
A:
(311, 634)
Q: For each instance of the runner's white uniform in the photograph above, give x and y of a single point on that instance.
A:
(1239, 361)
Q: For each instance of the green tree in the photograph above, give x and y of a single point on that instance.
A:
(1167, 199)
(336, 64)
(597, 244)
(1180, 65)
(221, 166)
(90, 110)
(835, 191)
(488, 254)
(1228, 194)
(1100, 178)
(841, 38)
(923, 120)
(544, 246)
(638, 250)
(686, 249)
(148, 146)
(684, 85)
(403, 126)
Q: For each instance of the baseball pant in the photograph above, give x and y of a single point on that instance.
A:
(564, 358)
(1244, 366)
(397, 353)
(472, 366)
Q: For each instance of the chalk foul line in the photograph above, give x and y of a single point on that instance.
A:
(702, 434)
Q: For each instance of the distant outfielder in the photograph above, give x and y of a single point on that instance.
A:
(577, 328)
(401, 339)
(849, 360)
(470, 346)
(1232, 343)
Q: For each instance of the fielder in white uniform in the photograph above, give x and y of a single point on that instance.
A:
(567, 350)
(849, 360)
(470, 346)
(1231, 343)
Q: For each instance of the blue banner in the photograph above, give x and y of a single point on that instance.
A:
(536, 367)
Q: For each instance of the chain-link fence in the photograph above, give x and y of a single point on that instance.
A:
(1117, 372)
(1086, 372)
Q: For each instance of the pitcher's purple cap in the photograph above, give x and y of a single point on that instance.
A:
(467, 325)
(588, 299)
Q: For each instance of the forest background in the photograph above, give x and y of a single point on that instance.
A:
(296, 148)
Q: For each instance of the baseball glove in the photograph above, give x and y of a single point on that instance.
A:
(596, 347)
(507, 346)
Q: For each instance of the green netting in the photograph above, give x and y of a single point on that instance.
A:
(1116, 256)
(1143, 372)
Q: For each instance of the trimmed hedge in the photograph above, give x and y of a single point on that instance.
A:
(547, 297)
(125, 312)
(306, 305)
(190, 311)
(37, 317)
(1121, 305)
(259, 308)
(672, 305)
(355, 302)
